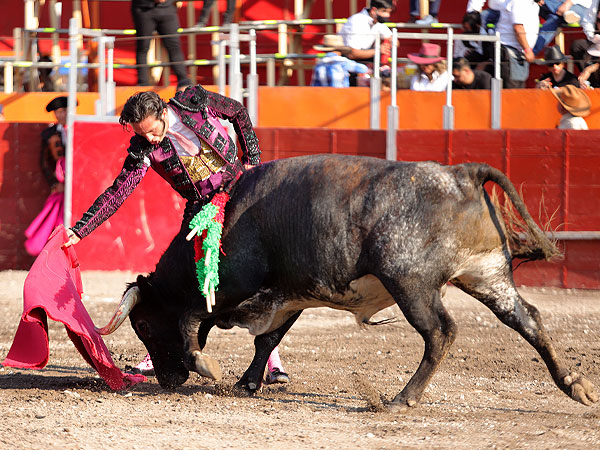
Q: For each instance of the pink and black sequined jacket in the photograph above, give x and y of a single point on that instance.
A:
(199, 110)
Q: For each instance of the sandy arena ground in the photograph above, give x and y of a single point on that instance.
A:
(491, 392)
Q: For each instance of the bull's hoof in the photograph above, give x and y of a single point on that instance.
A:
(580, 389)
(246, 389)
(203, 365)
(401, 403)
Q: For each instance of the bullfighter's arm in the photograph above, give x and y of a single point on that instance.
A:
(236, 113)
(112, 198)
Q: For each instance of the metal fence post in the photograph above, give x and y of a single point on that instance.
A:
(71, 105)
(253, 81)
(448, 108)
(375, 88)
(392, 125)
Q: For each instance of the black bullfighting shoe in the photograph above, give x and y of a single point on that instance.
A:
(277, 376)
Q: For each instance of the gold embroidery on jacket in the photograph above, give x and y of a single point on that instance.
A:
(204, 165)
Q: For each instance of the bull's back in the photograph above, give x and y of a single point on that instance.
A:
(317, 215)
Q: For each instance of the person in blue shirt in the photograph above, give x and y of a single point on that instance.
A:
(333, 69)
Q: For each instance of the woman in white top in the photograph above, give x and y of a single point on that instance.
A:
(431, 74)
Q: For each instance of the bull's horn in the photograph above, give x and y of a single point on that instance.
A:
(130, 299)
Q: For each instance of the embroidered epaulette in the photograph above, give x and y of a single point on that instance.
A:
(193, 99)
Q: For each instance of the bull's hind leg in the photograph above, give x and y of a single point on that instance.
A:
(264, 344)
(425, 312)
(495, 288)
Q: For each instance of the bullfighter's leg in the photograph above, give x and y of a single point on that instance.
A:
(425, 312)
(263, 346)
(194, 333)
(497, 291)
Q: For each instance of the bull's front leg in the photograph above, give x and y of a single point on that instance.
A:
(264, 344)
(193, 343)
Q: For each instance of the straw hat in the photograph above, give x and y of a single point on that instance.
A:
(428, 54)
(573, 99)
(332, 42)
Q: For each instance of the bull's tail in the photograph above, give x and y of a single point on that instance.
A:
(527, 240)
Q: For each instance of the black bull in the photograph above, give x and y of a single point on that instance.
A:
(355, 234)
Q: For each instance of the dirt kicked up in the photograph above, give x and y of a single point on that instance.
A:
(492, 391)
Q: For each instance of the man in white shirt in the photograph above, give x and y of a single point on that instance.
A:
(361, 29)
(518, 26)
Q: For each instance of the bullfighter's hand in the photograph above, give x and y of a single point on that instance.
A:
(73, 239)
(249, 166)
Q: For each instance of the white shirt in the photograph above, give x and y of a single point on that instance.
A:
(438, 83)
(361, 30)
(521, 12)
(588, 21)
(570, 122)
(477, 5)
(176, 125)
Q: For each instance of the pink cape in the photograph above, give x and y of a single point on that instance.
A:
(53, 289)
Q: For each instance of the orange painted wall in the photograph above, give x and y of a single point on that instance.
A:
(317, 107)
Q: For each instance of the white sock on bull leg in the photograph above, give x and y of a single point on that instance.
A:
(274, 362)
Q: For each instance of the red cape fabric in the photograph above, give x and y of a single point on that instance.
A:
(53, 289)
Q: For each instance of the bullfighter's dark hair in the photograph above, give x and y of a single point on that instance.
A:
(380, 4)
(141, 105)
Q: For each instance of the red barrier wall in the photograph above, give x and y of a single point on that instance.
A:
(559, 165)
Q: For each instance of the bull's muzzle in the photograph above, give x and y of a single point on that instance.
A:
(131, 298)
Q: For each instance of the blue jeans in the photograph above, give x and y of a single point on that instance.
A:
(434, 8)
(553, 21)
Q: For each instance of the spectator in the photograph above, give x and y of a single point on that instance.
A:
(361, 29)
(432, 17)
(58, 106)
(574, 105)
(334, 69)
(590, 23)
(431, 72)
(589, 76)
(490, 15)
(558, 75)
(206, 7)
(471, 50)
(466, 78)
(518, 26)
(52, 164)
(556, 13)
(160, 16)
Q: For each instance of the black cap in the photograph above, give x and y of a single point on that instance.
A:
(58, 102)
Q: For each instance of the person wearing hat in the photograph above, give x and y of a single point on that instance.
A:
(431, 74)
(574, 105)
(361, 29)
(48, 158)
(558, 75)
(589, 77)
(333, 69)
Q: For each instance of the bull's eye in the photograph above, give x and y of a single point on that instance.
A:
(143, 328)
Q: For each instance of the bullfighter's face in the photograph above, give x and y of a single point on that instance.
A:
(153, 128)
(158, 329)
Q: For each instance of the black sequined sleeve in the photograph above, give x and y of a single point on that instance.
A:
(232, 110)
(109, 202)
